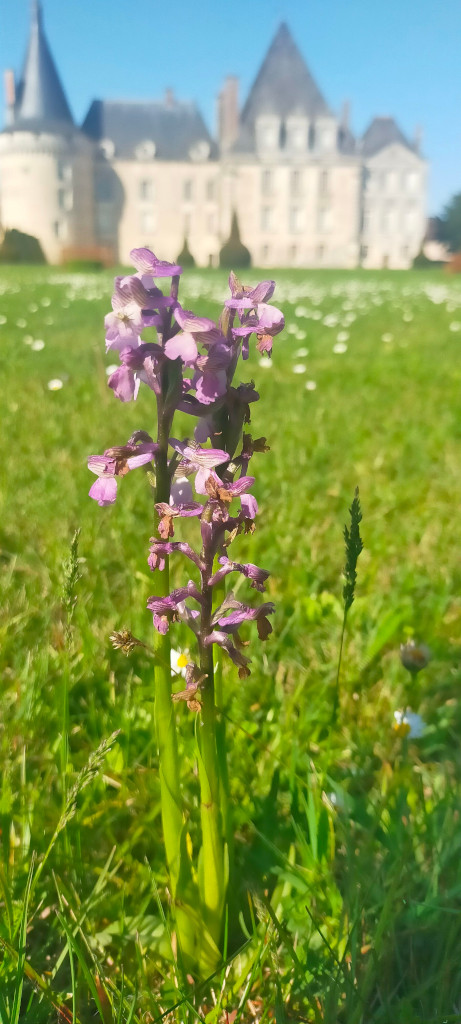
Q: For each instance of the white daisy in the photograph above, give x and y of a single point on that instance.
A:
(55, 384)
(37, 345)
(310, 385)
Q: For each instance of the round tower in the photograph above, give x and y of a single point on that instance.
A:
(46, 163)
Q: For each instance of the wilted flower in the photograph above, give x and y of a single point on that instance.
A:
(114, 463)
(124, 640)
(414, 656)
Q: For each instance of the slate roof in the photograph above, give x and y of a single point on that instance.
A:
(383, 131)
(174, 127)
(41, 103)
(283, 86)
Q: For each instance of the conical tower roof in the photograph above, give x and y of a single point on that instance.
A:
(284, 84)
(41, 99)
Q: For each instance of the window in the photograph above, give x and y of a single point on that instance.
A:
(187, 224)
(211, 223)
(296, 183)
(65, 199)
(363, 252)
(323, 183)
(145, 150)
(265, 253)
(146, 189)
(297, 135)
(60, 230)
(389, 181)
(324, 219)
(293, 253)
(64, 171)
(147, 221)
(210, 190)
(366, 219)
(267, 218)
(411, 217)
(388, 218)
(266, 182)
(410, 181)
(326, 138)
(320, 252)
(296, 219)
(188, 189)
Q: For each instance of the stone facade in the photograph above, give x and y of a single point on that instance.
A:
(306, 192)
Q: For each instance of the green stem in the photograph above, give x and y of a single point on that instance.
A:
(221, 746)
(213, 884)
(167, 741)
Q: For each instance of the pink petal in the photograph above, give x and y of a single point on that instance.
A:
(104, 490)
(182, 345)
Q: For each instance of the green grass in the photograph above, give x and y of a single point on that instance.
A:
(347, 839)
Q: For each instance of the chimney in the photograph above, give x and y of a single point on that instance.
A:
(228, 113)
(418, 138)
(169, 98)
(10, 96)
(345, 116)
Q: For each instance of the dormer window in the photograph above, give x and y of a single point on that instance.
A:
(107, 148)
(297, 134)
(200, 150)
(145, 150)
(326, 135)
(268, 133)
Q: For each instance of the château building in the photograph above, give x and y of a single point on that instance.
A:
(306, 191)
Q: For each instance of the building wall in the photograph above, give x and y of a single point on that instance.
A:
(393, 208)
(300, 214)
(159, 204)
(294, 209)
(47, 189)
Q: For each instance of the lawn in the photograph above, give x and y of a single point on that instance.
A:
(347, 834)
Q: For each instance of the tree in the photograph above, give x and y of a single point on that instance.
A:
(450, 224)
(234, 253)
(18, 247)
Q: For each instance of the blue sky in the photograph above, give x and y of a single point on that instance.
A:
(399, 57)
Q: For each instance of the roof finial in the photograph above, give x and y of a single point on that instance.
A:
(36, 13)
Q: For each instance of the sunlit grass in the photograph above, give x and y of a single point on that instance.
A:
(347, 840)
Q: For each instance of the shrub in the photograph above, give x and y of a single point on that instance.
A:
(234, 253)
(185, 258)
(18, 247)
(422, 262)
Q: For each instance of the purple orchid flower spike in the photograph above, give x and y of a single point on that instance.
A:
(114, 463)
(148, 264)
(137, 364)
(243, 613)
(169, 512)
(248, 298)
(125, 323)
(253, 573)
(265, 322)
(223, 640)
(199, 460)
(168, 609)
(160, 548)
